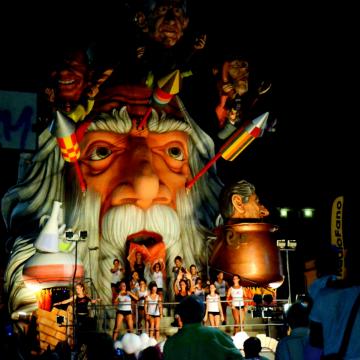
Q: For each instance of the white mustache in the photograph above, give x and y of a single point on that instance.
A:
(121, 221)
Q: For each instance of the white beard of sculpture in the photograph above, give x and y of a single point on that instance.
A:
(181, 235)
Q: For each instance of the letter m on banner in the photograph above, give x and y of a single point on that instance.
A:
(18, 112)
(337, 235)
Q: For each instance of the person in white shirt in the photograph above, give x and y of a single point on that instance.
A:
(153, 310)
(158, 277)
(235, 298)
(213, 307)
(124, 309)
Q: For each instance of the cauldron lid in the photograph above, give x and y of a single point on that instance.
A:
(231, 221)
(252, 226)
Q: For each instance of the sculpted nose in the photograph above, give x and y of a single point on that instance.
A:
(146, 185)
(141, 185)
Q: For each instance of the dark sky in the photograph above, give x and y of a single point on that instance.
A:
(308, 53)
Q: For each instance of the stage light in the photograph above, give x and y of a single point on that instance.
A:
(281, 244)
(284, 212)
(308, 212)
(69, 234)
(83, 234)
(291, 244)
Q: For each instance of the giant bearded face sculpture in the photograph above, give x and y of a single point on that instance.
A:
(138, 168)
(135, 198)
(136, 191)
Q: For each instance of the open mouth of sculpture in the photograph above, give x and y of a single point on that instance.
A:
(149, 244)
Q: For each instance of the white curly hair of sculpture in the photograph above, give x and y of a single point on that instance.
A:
(44, 182)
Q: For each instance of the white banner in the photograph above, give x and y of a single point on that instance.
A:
(18, 112)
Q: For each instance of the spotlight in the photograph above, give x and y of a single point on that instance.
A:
(69, 234)
(72, 235)
(284, 212)
(292, 244)
(281, 244)
(83, 234)
(308, 212)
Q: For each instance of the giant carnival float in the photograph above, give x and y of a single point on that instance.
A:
(125, 166)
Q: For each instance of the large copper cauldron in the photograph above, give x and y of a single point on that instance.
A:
(249, 250)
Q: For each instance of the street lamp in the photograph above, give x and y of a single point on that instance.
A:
(75, 237)
(287, 245)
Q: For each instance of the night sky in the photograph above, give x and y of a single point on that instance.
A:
(306, 52)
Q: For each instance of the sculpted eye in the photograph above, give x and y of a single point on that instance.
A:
(177, 11)
(162, 10)
(100, 153)
(175, 152)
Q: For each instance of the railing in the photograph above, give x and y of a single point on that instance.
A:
(271, 315)
(105, 315)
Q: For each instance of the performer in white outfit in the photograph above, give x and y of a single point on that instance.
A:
(158, 277)
(235, 298)
(153, 310)
(123, 302)
(213, 307)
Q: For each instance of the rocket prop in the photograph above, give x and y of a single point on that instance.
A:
(167, 88)
(242, 138)
(64, 130)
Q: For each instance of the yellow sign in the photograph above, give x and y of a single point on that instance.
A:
(337, 235)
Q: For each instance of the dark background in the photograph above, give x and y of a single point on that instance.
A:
(308, 52)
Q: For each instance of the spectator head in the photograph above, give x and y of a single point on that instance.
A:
(191, 310)
(297, 316)
(252, 347)
(151, 353)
